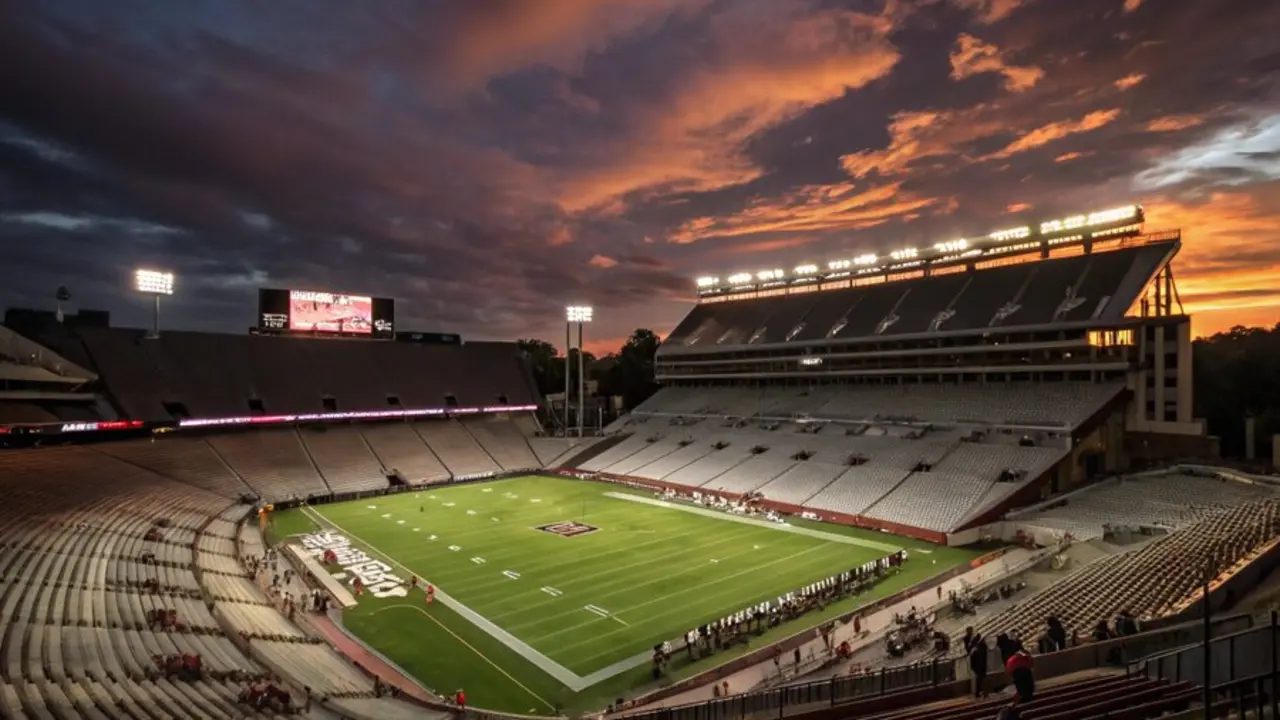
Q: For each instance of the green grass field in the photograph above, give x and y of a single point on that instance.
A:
(589, 603)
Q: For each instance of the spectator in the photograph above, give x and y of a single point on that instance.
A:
(1101, 632)
(975, 647)
(1020, 667)
(1057, 633)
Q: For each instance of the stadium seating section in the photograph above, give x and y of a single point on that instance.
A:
(1098, 287)
(210, 376)
(924, 456)
(96, 545)
(1160, 579)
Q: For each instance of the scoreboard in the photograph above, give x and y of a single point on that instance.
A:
(311, 312)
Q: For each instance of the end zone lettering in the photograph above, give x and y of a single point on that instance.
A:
(568, 528)
(375, 575)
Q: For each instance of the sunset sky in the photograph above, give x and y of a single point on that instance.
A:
(486, 162)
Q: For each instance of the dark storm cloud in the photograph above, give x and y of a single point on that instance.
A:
(487, 163)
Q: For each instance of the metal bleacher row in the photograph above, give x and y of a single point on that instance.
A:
(212, 376)
(89, 545)
(281, 463)
(1099, 286)
(1162, 578)
(930, 457)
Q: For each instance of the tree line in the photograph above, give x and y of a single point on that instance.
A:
(1237, 375)
(626, 373)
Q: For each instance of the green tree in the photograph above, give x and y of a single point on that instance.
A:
(1237, 376)
(631, 374)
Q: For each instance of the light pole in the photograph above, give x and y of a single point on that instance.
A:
(155, 284)
(580, 315)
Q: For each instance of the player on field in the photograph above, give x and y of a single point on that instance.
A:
(431, 593)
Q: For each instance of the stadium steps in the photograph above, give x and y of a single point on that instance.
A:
(480, 445)
(314, 465)
(418, 431)
(175, 478)
(590, 452)
(369, 447)
(229, 467)
(867, 511)
(805, 502)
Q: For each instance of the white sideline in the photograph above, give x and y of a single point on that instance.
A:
(564, 675)
(721, 515)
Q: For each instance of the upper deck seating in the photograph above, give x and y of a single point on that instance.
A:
(207, 375)
(1102, 285)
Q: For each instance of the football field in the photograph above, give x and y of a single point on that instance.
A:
(550, 588)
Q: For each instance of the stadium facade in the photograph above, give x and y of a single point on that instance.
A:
(1066, 337)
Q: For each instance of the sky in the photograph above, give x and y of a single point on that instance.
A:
(488, 162)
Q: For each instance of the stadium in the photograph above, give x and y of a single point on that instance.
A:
(862, 488)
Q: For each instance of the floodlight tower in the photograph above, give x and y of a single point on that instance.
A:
(155, 284)
(578, 315)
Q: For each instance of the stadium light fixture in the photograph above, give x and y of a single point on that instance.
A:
(864, 260)
(708, 281)
(904, 254)
(154, 283)
(578, 315)
(806, 270)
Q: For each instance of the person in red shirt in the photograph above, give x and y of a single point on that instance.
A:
(1020, 667)
(431, 593)
(460, 699)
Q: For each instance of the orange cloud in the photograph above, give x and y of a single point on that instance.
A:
(1173, 123)
(1227, 269)
(811, 209)
(971, 56)
(1131, 5)
(601, 261)
(694, 140)
(989, 11)
(1054, 131)
(1068, 157)
(1015, 208)
(918, 136)
(492, 38)
(1130, 80)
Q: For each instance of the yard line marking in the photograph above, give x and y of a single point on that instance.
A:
(552, 591)
(669, 596)
(596, 610)
(511, 574)
(487, 490)
(454, 548)
(624, 622)
(567, 677)
(386, 515)
(471, 512)
(478, 560)
(448, 504)
(399, 522)
(470, 647)
(372, 507)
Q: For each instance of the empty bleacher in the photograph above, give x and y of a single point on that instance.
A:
(1161, 502)
(503, 441)
(343, 457)
(273, 462)
(1157, 580)
(1018, 295)
(456, 448)
(399, 448)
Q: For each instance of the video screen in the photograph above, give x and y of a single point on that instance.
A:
(330, 312)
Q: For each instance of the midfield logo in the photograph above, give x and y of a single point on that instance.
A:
(568, 528)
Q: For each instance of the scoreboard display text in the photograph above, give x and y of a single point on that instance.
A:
(308, 312)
